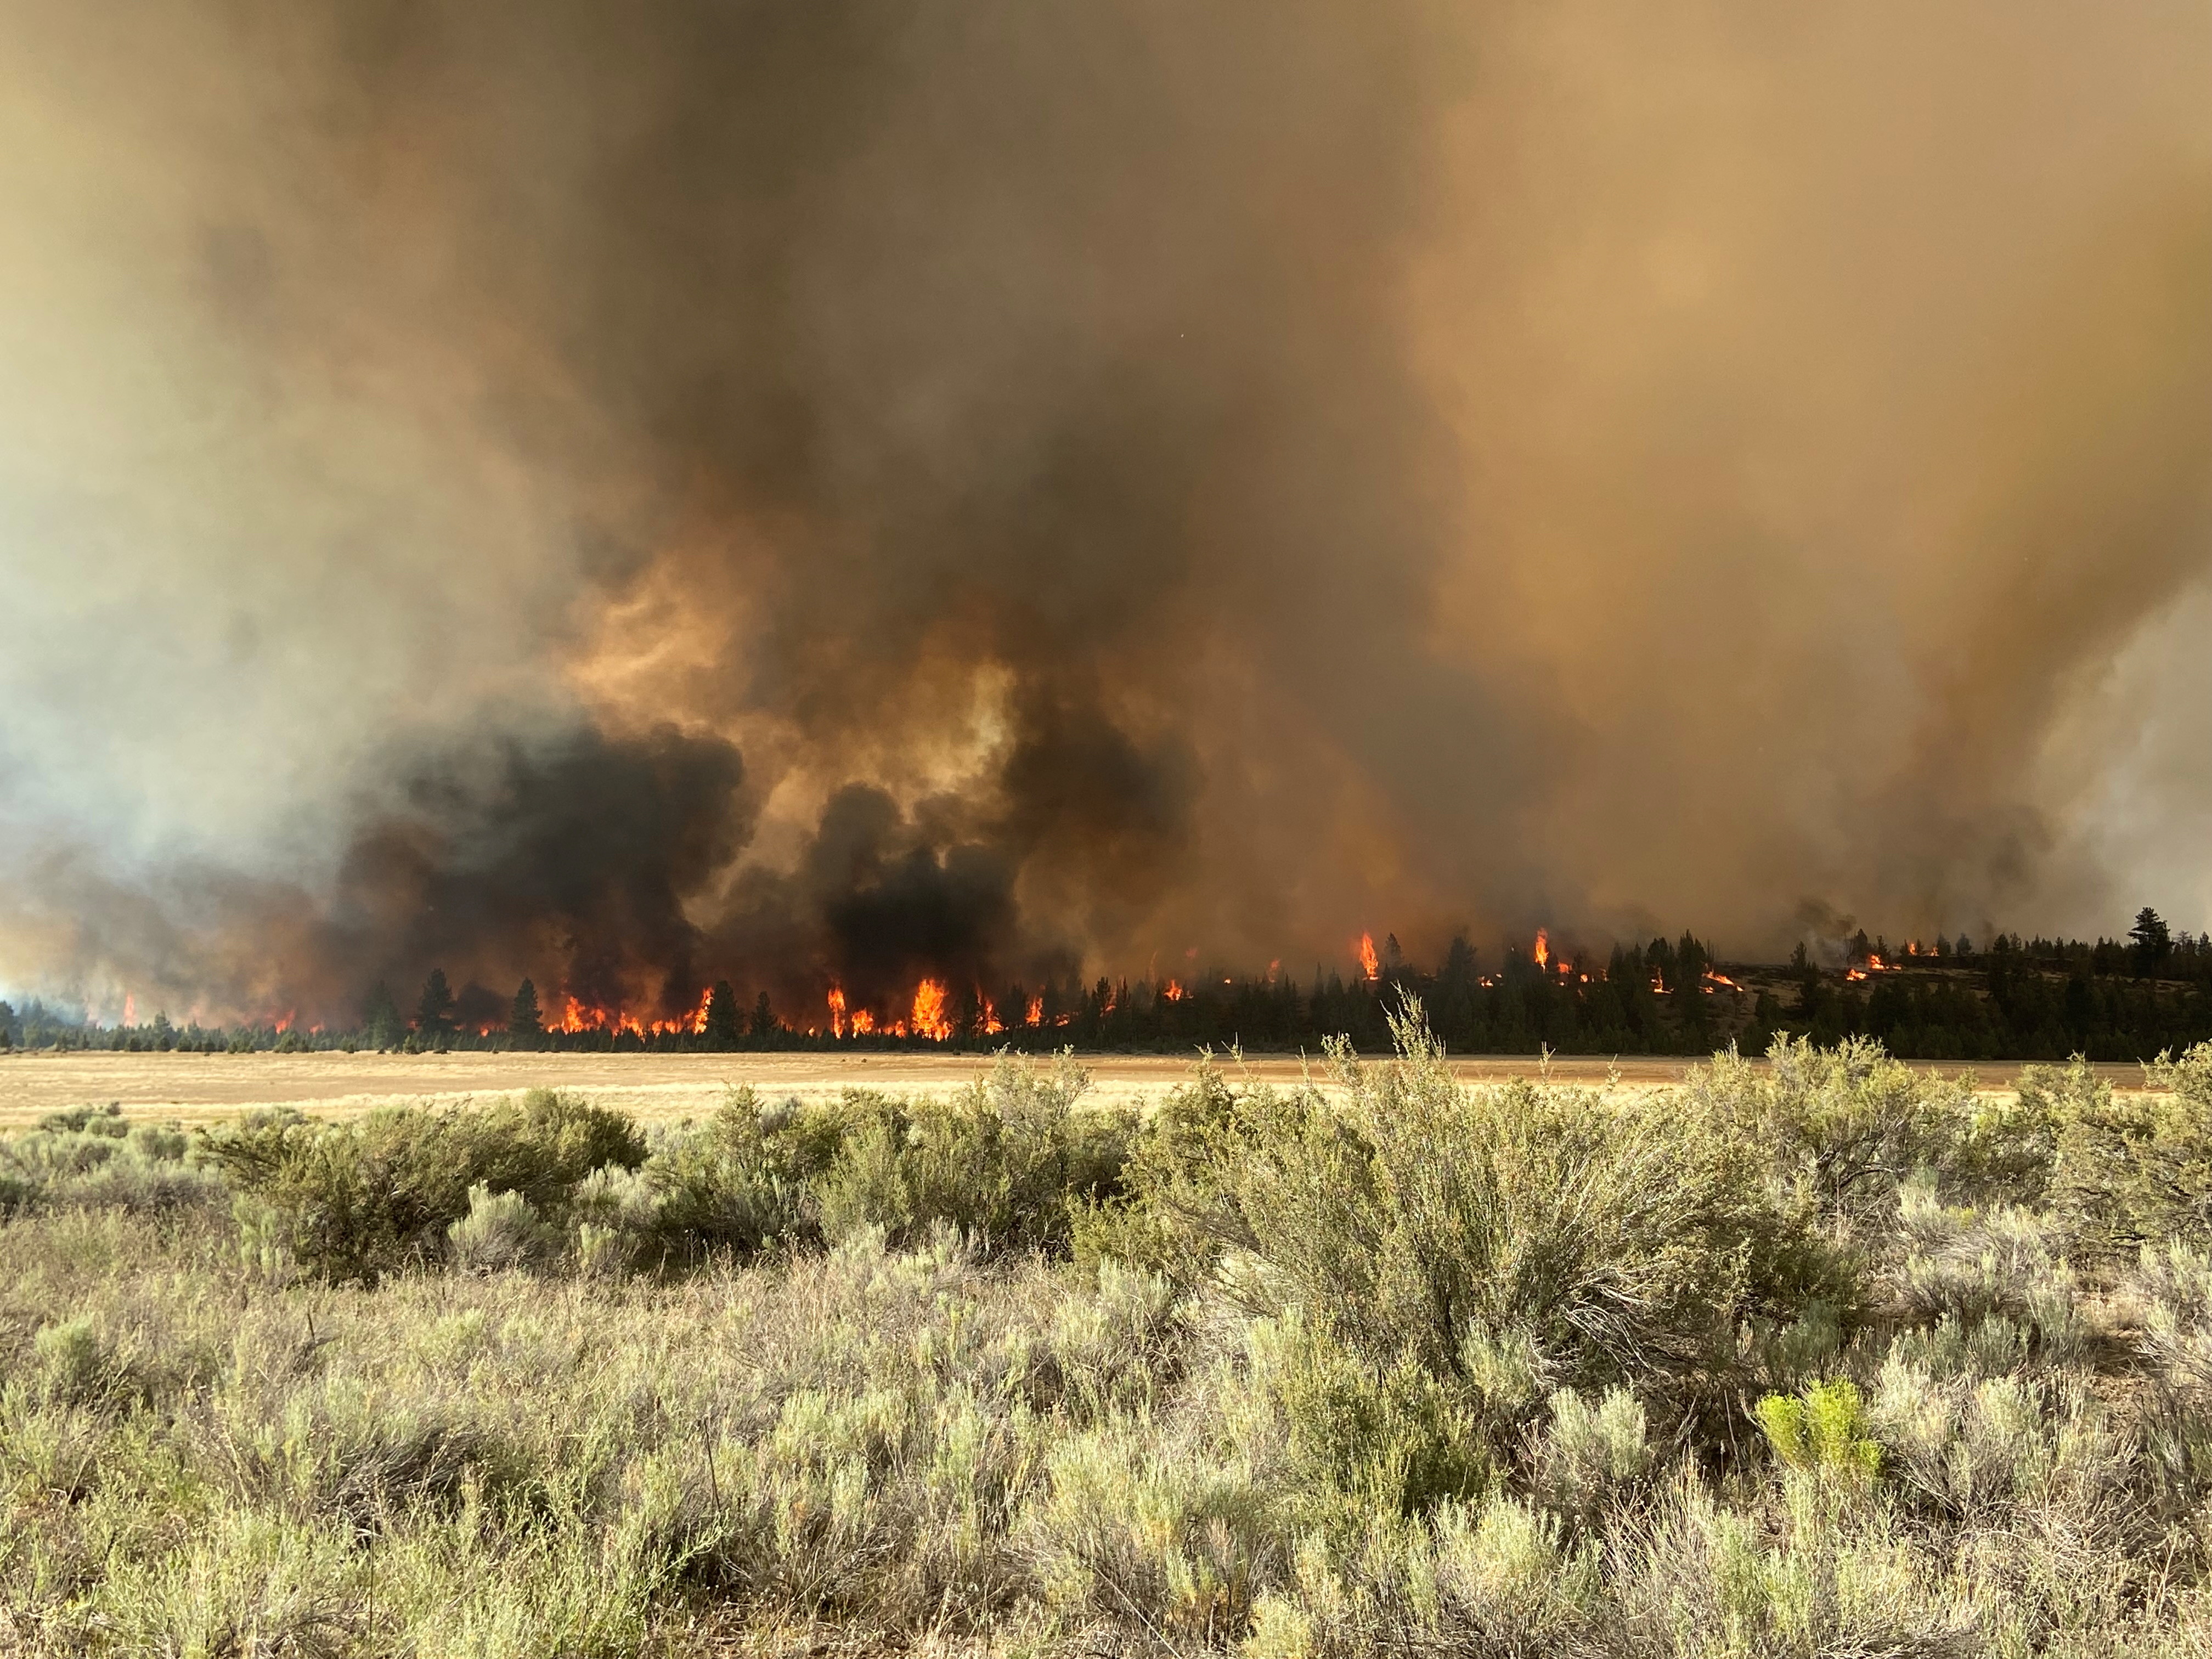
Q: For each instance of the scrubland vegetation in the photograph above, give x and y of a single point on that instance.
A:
(1825, 1357)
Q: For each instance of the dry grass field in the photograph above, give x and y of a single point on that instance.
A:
(198, 1088)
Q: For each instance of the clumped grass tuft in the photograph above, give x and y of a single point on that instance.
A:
(1829, 1356)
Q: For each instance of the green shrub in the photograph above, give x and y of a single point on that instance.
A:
(1003, 1160)
(1991, 1282)
(1822, 1431)
(740, 1182)
(1843, 1129)
(104, 1121)
(354, 1200)
(1590, 1455)
(2136, 1168)
(93, 1157)
(501, 1233)
(1516, 1238)
(1364, 1441)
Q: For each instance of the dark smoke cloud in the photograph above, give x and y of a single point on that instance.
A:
(842, 492)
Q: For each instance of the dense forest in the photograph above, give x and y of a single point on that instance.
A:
(2011, 998)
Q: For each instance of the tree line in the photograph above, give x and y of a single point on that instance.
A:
(2009, 998)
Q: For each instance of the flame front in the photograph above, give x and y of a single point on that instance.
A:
(929, 1020)
(579, 1017)
(836, 1011)
(1367, 963)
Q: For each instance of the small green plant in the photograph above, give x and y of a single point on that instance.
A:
(501, 1233)
(1822, 1431)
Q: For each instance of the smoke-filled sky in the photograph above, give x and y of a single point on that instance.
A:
(635, 495)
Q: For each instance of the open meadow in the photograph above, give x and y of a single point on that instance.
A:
(1822, 1355)
(195, 1088)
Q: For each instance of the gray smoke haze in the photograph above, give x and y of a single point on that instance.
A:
(636, 494)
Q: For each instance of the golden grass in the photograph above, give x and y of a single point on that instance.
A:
(199, 1088)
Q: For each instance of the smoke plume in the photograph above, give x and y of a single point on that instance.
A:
(830, 493)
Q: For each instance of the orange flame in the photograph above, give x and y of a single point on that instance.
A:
(1716, 977)
(991, 1026)
(837, 1010)
(863, 1022)
(1368, 964)
(929, 1020)
(1035, 1015)
(1173, 991)
(1543, 949)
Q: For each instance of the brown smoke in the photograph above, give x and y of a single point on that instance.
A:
(632, 494)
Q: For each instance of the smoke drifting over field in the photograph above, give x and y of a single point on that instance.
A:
(632, 496)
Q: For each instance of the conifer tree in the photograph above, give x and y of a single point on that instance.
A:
(2152, 940)
(722, 1031)
(433, 1012)
(526, 1022)
(380, 1024)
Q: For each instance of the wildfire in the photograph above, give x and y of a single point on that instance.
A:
(1173, 991)
(1714, 976)
(1543, 949)
(929, 1020)
(1035, 1013)
(837, 1010)
(577, 1017)
(992, 1025)
(863, 1022)
(1369, 964)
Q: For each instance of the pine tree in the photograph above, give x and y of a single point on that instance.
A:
(380, 1024)
(763, 1019)
(2152, 940)
(722, 1031)
(433, 1012)
(526, 1022)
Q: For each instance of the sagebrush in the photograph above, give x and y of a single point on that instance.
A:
(1825, 1355)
